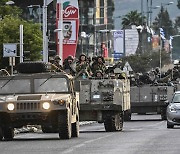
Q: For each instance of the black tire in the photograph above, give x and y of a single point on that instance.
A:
(75, 126)
(169, 125)
(1, 134)
(163, 114)
(64, 125)
(127, 116)
(114, 123)
(8, 134)
(46, 129)
(32, 67)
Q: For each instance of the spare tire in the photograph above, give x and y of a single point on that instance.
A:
(32, 67)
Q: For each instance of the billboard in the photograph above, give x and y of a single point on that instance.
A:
(131, 41)
(118, 37)
(70, 27)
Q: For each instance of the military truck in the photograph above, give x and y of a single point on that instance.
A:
(48, 99)
(150, 98)
(105, 100)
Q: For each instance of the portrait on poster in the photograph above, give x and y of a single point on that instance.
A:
(69, 31)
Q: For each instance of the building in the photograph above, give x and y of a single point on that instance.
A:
(96, 19)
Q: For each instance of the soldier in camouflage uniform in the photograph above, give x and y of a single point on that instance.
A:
(55, 65)
(98, 65)
(83, 66)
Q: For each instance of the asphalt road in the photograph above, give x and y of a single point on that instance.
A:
(145, 134)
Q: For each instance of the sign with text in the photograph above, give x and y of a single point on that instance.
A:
(70, 26)
(118, 36)
(9, 50)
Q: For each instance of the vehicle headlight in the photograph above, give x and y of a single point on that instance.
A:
(62, 102)
(172, 109)
(96, 96)
(59, 102)
(46, 105)
(10, 106)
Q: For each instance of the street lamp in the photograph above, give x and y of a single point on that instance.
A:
(150, 13)
(10, 3)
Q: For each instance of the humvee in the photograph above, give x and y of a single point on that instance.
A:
(48, 99)
(150, 99)
(105, 100)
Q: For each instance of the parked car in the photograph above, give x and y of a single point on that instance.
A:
(173, 111)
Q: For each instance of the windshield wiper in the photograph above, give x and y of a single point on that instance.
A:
(46, 80)
(7, 82)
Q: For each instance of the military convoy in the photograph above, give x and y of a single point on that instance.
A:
(58, 101)
(48, 99)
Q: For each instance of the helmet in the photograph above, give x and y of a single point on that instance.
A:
(101, 58)
(81, 56)
(57, 57)
(70, 57)
(99, 71)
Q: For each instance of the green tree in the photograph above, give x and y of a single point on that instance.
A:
(132, 18)
(145, 62)
(163, 21)
(9, 33)
(8, 9)
(177, 21)
(177, 25)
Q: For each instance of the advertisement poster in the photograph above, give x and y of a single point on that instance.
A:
(118, 44)
(155, 42)
(70, 27)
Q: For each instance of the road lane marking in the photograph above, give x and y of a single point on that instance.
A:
(83, 144)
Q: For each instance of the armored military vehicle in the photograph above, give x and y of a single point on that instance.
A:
(48, 99)
(150, 98)
(105, 100)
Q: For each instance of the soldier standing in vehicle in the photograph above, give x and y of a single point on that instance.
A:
(99, 74)
(99, 65)
(68, 65)
(82, 66)
(56, 64)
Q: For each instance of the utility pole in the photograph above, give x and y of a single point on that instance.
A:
(147, 16)
(160, 23)
(142, 23)
(45, 37)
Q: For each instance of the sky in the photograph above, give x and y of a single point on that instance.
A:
(122, 7)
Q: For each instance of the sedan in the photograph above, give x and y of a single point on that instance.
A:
(173, 111)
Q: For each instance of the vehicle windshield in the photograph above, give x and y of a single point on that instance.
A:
(15, 86)
(51, 85)
(176, 98)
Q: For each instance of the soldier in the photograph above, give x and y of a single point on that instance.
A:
(99, 74)
(56, 64)
(99, 65)
(67, 65)
(83, 65)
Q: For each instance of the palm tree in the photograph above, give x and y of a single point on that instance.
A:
(132, 18)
